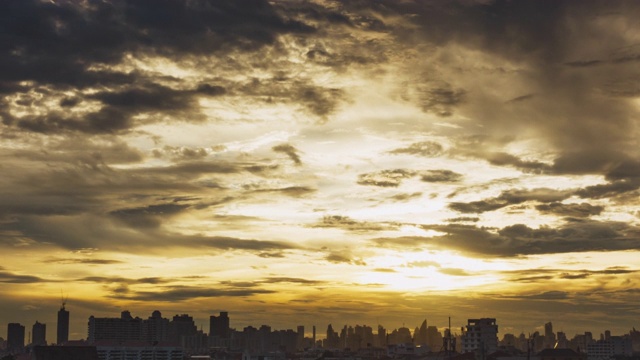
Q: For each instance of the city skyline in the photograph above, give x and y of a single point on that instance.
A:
(307, 162)
(315, 331)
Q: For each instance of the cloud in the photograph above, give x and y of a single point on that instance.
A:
(611, 189)
(148, 216)
(345, 258)
(8, 277)
(504, 159)
(510, 197)
(543, 275)
(122, 280)
(424, 264)
(55, 260)
(424, 148)
(440, 176)
(72, 47)
(576, 210)
(405, 196)
(292, 191)
(464, 219)
(290, 151)
(454, 272)
(290, 280)
(184, 293)
(576, 235)
(346, 223)
(385, 178)
(547, 295)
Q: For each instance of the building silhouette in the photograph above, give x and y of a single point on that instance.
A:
(65, 353)
(480, 335)
(219, 325)
(63, 326)
(39, 334)
(155, 328)
(15, 338)
(124, 328)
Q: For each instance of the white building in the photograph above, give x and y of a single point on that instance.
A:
(480, 335)
(609, 348)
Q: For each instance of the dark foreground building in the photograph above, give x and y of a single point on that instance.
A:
(64, 353)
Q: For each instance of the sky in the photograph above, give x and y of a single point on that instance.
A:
(315, 162)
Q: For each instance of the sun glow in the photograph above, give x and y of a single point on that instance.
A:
(430, 271)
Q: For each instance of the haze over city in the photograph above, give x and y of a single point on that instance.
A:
(315, 162)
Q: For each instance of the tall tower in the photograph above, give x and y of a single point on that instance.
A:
(39, 333)
(63, 325)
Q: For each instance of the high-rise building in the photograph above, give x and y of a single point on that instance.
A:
(125, 328)
(181, 326)
(219, 325)
(63, 326)
(156, 328)
(39, 334)
(15, 338)
(549, 336)
(300, 339)
(481, 335)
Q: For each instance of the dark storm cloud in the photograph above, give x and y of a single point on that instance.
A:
(577, 235)
(440, 176)
(385, 178)
(346, 223)
(511, 197)
(66, 45)
(574, 210)
(290, 151)
(425, 148)
(69, 37)
(118, 109)
(568, 111)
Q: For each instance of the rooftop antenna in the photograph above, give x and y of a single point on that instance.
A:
(63, 299)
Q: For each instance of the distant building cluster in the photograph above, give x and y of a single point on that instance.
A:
(158, 338)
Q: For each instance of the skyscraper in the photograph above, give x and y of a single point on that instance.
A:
(219, 325)
(39, 334)
(63, 326)
(15, 338)
(549, 336)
